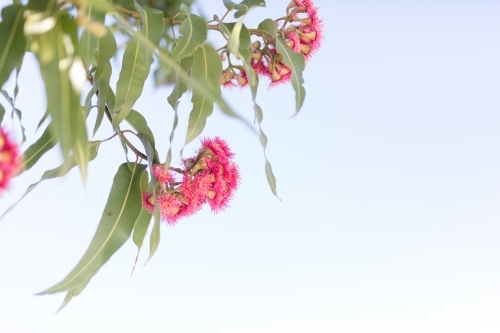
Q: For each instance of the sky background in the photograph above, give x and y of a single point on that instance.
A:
(389, 180)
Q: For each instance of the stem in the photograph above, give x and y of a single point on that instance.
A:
(137, 15)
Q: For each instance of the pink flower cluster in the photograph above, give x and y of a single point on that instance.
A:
(9, 159)
(306, 32)
(302, 31)
(209, 177)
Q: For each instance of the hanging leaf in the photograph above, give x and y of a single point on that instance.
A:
(103, 88)
(57, 172)
(2, 113)
(88, 39)
(73, 293)
(34, 152)
(246, 5)
(136, 63)
(207, 68)
(296, 62)
(12, 40)
(55, 54)
(180, 88)
(193, 32)
(141, 228)
(122, 209)
(15, 111)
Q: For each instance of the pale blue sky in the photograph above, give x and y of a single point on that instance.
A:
(389, 178)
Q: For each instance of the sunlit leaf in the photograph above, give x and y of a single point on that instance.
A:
(136, 63)
(120, 213)
(193, 32)
(57, 172)
(68, 120)
(12, 40)
(207, 68)
(296, 62)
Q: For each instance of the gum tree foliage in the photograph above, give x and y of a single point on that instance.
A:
(73, 45)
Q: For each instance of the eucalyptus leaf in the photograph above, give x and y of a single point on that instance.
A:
(193, 32)
(2, 113)
(207, 68)
(88, 40)
(141, 228)
(268, 26)
(15, 111)
(119, 216)
(12, 40)
(296, 62)
(68, 121)
(34, 152)
(246, 5)
(140, 125)
(136, 63)
(180, 88)
(73, 293)
(212, 93)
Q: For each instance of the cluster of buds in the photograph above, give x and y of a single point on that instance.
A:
(234, 76)
(209, 177)
(302, 30)
(9, 159)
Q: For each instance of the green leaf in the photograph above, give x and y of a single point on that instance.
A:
(193, 32)
(105, 51)
(36, 150)
(270, 178)
(57, 172)
(140, 125)
(173, 99)
(296, 62)
(207, 68)
(88, 40)
(185, 9)
(15, 111)
(73, 293)
(45, 116)
(47, 6)
(68, 121)
(245, 6)
(103, 88)
(136, 63)
(141, 228)
(12, 40)
(229, 4)
(154, 240)
(2, 113)
(268, 26)
(210, 92)
(120, 214)
(155, 233)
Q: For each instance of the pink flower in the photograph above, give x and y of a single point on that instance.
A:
(9, 159)
(310, 26)
(163, 177)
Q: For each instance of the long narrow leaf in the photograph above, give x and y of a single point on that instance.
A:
(122, 209)
(12, 40)
(136, 64)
